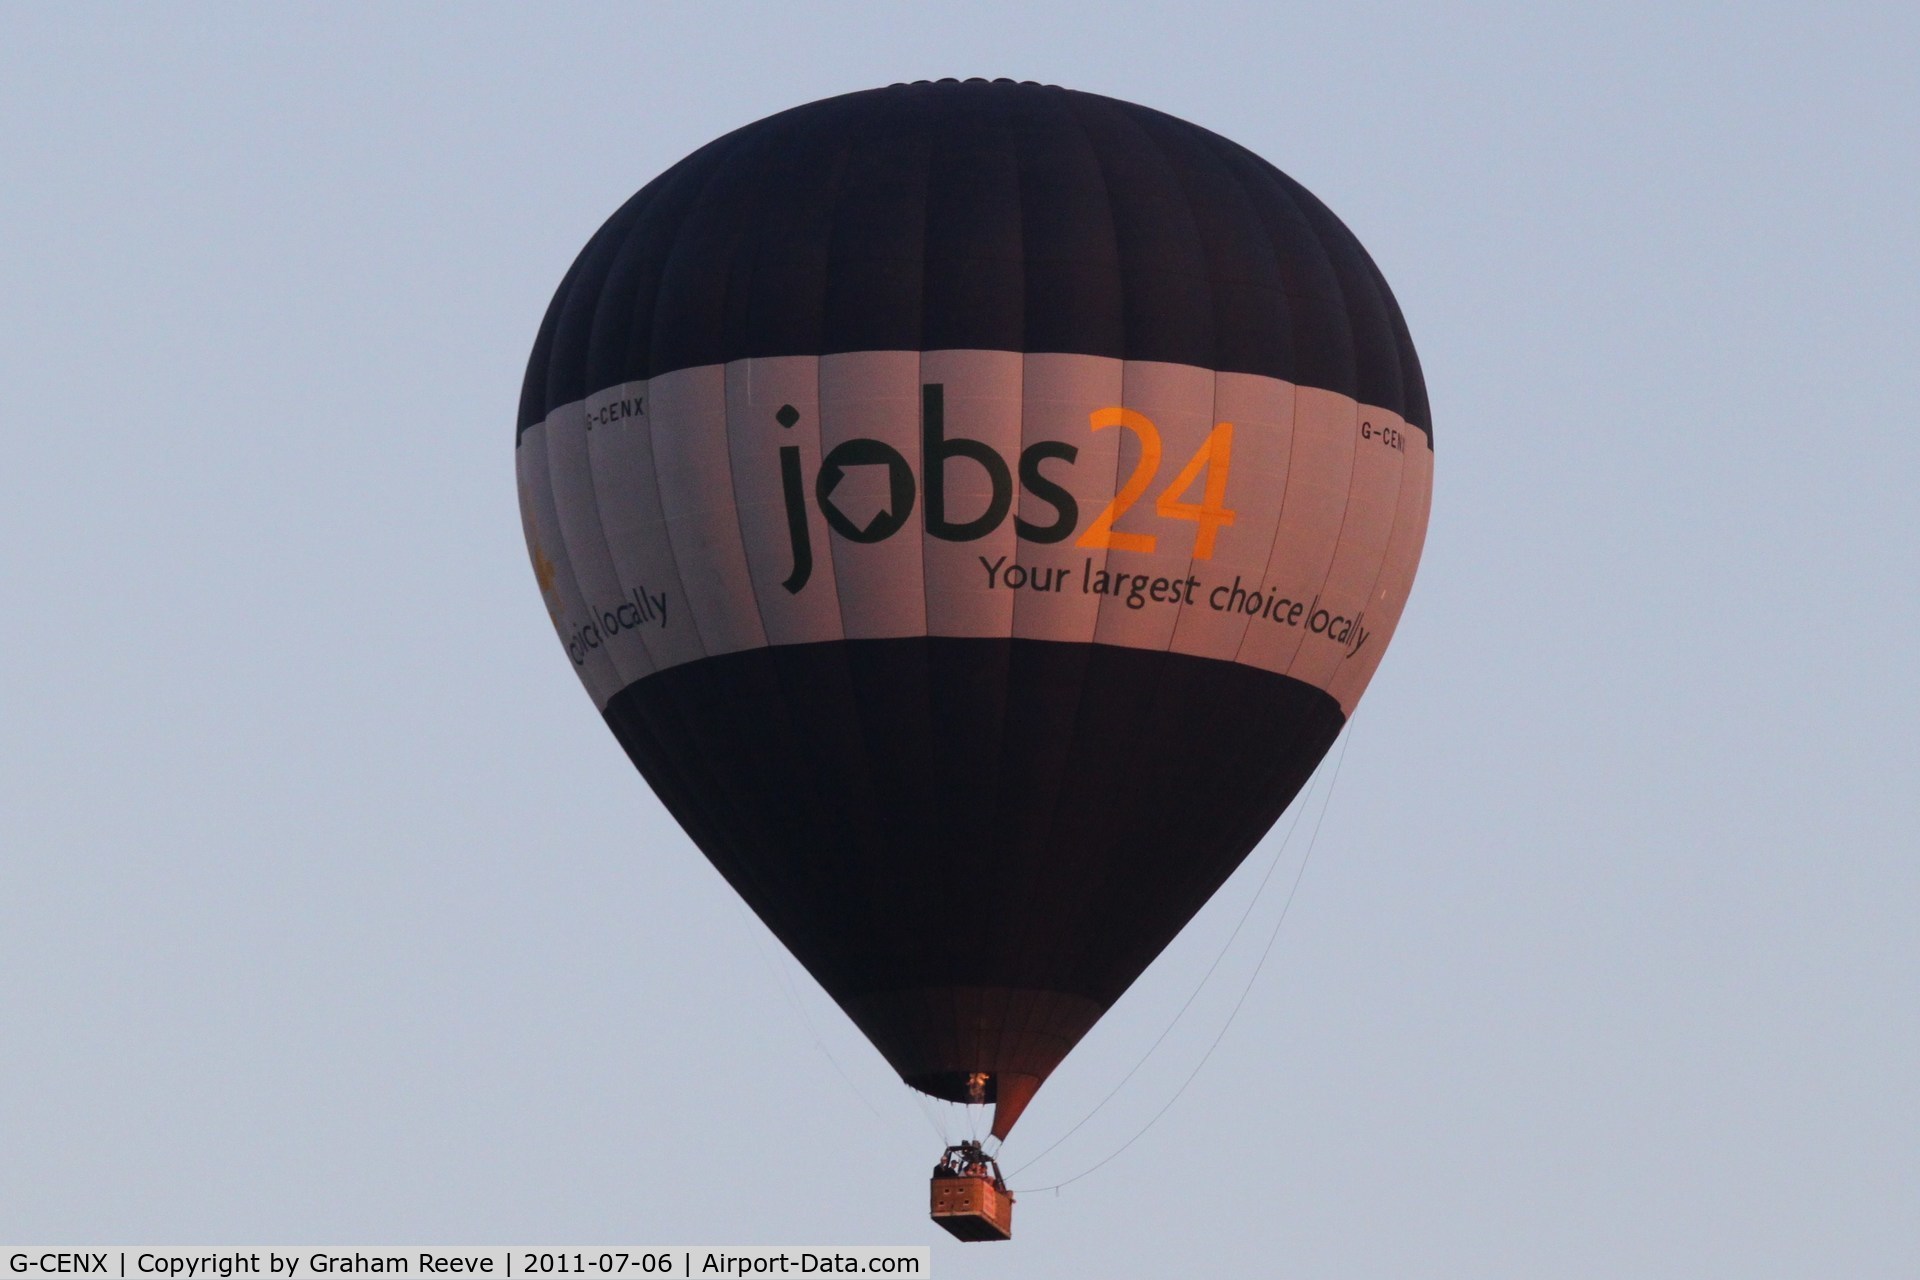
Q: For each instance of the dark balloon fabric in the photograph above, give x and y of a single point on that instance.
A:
(976, 215)
(796, 387)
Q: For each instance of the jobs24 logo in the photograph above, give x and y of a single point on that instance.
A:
(938, 452)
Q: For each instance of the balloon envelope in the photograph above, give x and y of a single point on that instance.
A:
(975, 508)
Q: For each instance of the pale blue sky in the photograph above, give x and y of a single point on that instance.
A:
(330, 914)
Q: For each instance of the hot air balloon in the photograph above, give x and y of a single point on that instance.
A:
(975, 507)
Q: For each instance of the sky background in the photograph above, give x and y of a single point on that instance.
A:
(330, 914)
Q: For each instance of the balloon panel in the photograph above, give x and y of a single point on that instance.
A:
(881, 495)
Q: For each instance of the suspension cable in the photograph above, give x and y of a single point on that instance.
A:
(1245, 991)
(1273, 864)
(788, 985)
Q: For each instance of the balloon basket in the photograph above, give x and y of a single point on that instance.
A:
(969, 1197)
